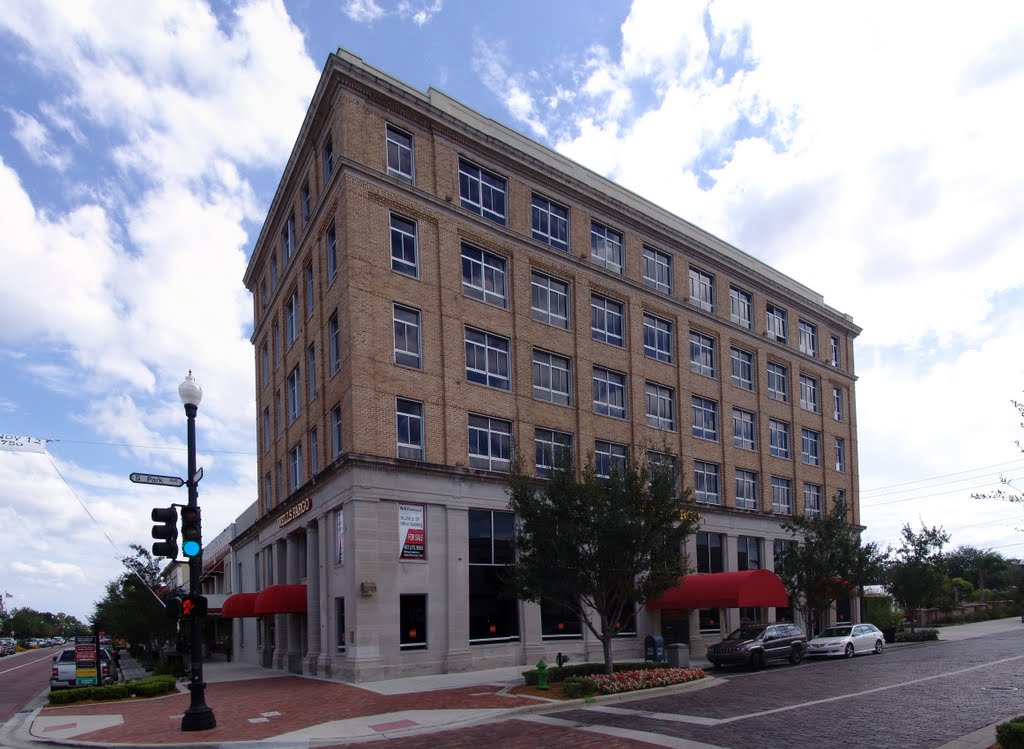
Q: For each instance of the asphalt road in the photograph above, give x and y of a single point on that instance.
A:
(22, 677)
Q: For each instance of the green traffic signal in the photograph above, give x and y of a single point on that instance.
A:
(191, 532)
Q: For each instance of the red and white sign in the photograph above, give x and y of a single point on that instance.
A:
(412, 533)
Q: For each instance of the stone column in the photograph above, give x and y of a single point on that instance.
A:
(294, 644)
(312, 598)
(325, 562)
(280, 620)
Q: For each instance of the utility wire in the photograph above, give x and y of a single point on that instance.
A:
(150, 447)
(943, 476)
(927, 496)
(943, 483)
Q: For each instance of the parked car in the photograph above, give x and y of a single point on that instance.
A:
(64, 671)
(756, 644)
(8, 646)
(847, 640)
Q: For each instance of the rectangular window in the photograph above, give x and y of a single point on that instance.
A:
(609, 393)
(407, 336)
(742, 368)
(328, 159)
(412, 622)
(339, 536)
(336, 432)
(552, 449)
(490, 443)
(705, 483)
(740, 308)
(291, 319)
(746, 490)
(558, 621)
(331, 248)
(311, 373)
(399, 145)
(812, 501)
(275, 336)
(808, 393)
(702, 289)
(310, 290)
(273, 272)
(835, 351)
(841, 501)
(551, 377)
(657, 270)
(549, 300)
(493, 617)
(702, 354)
(748, 553)
(483, 276)
(657, 338)
(482, 192)
(810, 451)
(778, 434)
(404, 246)
(778, 382)
(409, 428)
(782, 496)
(268, 495)
(837, 404)
(266, 429)
(609, 458)
(305, 202)
(808, 338)
(550, 222)
(605, 320)
(288, 240)
(294, 401)
(709, 552)
(264, 297)
(606, 247)
(840, 454)
(487, 359)
(781, 547)
(295, 467)
(339, 623)
(334, 343)
(265, 364)
(280, 482)
(277, 413)
(743, 429)
(777, 325)
(705, 418)
(658, 462)
(661, 408)
(314, 453)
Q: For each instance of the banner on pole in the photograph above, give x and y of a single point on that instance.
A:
(19, 443)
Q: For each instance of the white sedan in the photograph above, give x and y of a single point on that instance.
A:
(847, 640)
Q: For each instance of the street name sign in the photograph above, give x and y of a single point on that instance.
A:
(155, 480)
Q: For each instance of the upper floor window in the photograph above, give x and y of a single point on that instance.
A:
(808, 393)
(840, 454)
(808, 338)
(483, 276)
(552, 449)
(304, 202)
(782, 496)
(657, 270)
(657, 338)
(314, 453)
(606, 247)
(328, 159)
(487, 359)
(311, 373)
(702, 289)
(549, 300)
(810, 451)
(482, 192)
(294, 401)
(335, 432)
(812, 501)
(273, 272)
(841, 501)
(661, 406)
(291, 319)
(705, 418)
(295, 467)
(404, 247)
(408, 340)
(334, 343)
(310, 290)
(609, 393)
(551, 377)
(777, 326)
(265, 364)
(746, 490)
(605, 320)
(778, 438)
(658, 462)
(710, 556)
(835, 351)
(399, 153)
(490, 443)
(744, 433)
(748, 553)
(275, 336)
(742, 369)
(550, 222)
(778, 382)
(706, 488)
(740, 307)
(264, 296)
(409, 428)
(609, 457)
(288, 240)
(702, 354)
(332, 254)
(837, 404)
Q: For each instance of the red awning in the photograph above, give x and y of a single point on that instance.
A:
(238, 606)
(725, 590)
(281, 599)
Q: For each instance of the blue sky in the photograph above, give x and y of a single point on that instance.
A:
(871, 155)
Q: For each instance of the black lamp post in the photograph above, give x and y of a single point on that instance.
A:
(197, 717)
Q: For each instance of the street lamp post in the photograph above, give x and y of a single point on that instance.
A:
(197, 717)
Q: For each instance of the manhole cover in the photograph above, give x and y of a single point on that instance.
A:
(1000, 689)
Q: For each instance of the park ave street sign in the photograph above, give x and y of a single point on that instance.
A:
(155, 480)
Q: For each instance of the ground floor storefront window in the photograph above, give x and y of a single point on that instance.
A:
(493, 616)
(558, 621)
(413, 622)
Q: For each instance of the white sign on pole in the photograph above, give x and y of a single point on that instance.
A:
(18, 443)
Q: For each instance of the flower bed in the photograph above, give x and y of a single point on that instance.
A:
(630, 681)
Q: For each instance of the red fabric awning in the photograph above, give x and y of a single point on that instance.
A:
(725, 590)
(281, 599)
(238, 606)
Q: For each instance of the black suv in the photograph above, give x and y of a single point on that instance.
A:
(755, 644)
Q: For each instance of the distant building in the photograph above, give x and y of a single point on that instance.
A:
(431, 288)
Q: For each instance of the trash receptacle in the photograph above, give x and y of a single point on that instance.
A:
(678, 655)
(654, 648)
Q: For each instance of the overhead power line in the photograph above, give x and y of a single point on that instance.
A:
(943, 476)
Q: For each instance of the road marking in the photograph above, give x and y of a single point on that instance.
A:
(646, 737)
(37, 660)
(670, 717)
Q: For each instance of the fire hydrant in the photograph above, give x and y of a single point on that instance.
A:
(542, 674)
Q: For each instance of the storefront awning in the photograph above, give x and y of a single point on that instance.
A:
(725, 590)
(281, 599)
(239, 606)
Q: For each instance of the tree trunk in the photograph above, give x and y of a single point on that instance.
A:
(606, 644)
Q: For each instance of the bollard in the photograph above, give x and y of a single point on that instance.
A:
(542, 674)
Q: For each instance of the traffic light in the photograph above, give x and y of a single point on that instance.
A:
(191, 532)
(172, 607)
(193, 606)
(166, 533)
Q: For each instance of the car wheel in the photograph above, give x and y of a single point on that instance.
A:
(757, 660)
(878, 647)
(849, 650)
(796, 655)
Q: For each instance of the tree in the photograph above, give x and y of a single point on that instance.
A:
(825, 562)
(130, 607)
(1013, 494)
(915, 573)
(600, 546)
(986, 568)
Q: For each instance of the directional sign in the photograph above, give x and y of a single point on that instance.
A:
(197, 476)
(155, 480)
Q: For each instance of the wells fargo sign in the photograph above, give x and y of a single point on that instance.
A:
(293, 512)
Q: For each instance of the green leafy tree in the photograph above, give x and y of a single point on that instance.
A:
(915, 572)
(985, 568)
(131, 608)
(600, 546)
(826, 562)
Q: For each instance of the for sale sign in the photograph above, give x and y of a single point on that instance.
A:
(412, 532)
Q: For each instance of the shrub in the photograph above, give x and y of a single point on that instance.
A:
(556, 673)
(921, 635)
(578, 686)
(148, 687)
(1011, 733)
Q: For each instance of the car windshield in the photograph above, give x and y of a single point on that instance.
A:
(836, 632)
(746, 633)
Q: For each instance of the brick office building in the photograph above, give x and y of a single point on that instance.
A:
(431, 287)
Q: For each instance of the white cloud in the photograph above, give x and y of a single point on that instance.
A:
(490, 61)
(35, 139)
(419, 13)
(363, 11)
